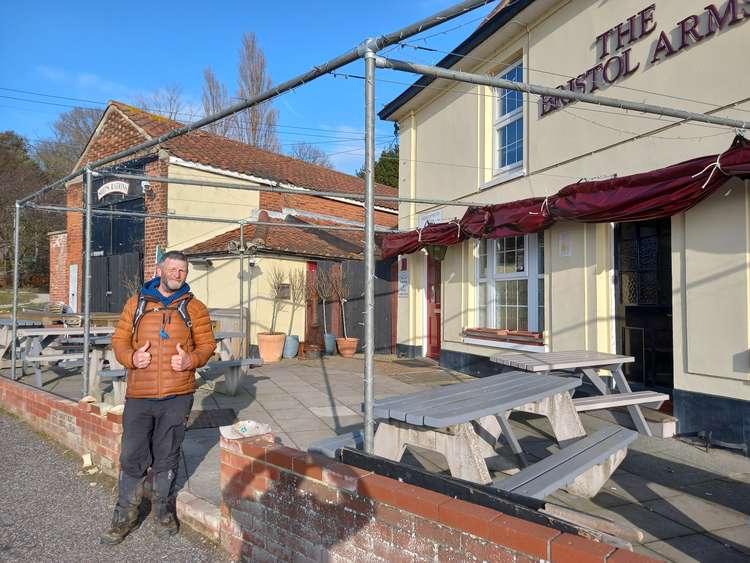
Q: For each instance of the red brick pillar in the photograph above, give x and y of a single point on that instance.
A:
(58, 266)
(155, 229)
(74, 221)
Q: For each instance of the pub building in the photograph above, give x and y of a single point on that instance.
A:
(601, 229)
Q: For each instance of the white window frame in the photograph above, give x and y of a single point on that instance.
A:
(530, 273)
(502, 173)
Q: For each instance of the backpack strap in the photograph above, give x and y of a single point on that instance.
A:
(140, 310)
(182, 310)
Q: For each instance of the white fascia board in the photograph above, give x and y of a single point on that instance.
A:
(223, 172)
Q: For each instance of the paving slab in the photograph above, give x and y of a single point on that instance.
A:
(696, 547)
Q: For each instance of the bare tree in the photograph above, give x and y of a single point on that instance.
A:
(297, 287)
(277, 284)
(310, 153)
(257, 125)
(341, 289)
(167, 101)
(72, 130)
(215, 99)
(324, 287)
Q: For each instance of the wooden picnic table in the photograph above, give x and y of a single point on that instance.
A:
(587, 363)
(48, 318)
(464, 421)
(35, 342)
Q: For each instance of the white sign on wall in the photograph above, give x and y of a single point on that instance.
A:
(403, 283)
(115, 186)
(433, 217)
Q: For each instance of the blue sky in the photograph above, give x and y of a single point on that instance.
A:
(99, 51)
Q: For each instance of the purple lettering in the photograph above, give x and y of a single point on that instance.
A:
(716, 22)
(602, 41)
(647, 17)
(592, 74)
(628, 32)
(627, 70)
(608, 78)
(662, 45)
(581, 83)
(688, 28)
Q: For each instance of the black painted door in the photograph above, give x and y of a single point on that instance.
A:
(644, 301)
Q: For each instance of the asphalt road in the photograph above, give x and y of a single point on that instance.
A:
(48, 512)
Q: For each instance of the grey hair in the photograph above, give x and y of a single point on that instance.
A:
(172, 255)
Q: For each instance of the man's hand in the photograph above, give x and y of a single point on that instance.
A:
(141, 357)
(181, 361)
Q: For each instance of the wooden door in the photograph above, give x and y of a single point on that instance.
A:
(433, 308)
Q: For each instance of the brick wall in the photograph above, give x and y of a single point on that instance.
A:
(155, 229)
(324, 206)
(281, 504)
(74, 228)
(82, 427)
(116, 134)
(58, 267)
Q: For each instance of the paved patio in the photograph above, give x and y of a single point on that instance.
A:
(692, 505)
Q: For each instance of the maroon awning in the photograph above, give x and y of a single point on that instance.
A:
(638, 197)
(651, 195)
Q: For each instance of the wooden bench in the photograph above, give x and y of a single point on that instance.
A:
(232, 370)
(650, 399)
(44, 359)
(583, 467)
(330, 447)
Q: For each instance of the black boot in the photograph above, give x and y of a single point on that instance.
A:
(123, 522)
(125, 518)
(163, 501)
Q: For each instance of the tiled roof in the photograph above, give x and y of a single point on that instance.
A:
(319, 243)
(214, 150)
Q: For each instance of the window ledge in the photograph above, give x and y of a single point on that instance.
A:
(505, 345)
(502, 177)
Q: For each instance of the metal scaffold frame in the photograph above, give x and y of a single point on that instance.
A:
(367, 51)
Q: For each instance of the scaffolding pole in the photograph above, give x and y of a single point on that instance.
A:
(293, 191)
(16, 259)
(484, 80)
(369, 344)
(242, 289)
(224, 220)
(87, 286)
(299, 80)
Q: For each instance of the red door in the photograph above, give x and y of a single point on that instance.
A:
(433, 309)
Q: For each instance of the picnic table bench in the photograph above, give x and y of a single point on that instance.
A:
(231, 369)
(464, 421)
(588, 461)
(38, 346)
(586, 363)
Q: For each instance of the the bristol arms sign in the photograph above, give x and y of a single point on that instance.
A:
(613, 47)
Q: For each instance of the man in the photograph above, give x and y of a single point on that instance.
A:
(163, 335)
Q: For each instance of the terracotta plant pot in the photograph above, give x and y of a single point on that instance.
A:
(271, 346)
(347, 346)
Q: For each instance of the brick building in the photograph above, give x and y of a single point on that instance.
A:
(124, 249)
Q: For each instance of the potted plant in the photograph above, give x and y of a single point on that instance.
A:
(297, 288)
(271, 343)
(324, 287)
(347, 346)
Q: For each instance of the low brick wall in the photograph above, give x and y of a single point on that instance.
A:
(82, 427)
(281, 504)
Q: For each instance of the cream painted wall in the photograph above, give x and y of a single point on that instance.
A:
(218, 286)
(453, 158)
(205, 201)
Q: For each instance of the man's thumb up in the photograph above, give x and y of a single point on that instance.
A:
(181, 361)
(141, 358)
(180, 351)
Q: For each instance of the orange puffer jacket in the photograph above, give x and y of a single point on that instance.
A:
(158, 379)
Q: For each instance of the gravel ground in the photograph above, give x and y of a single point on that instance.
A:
(48, 512)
